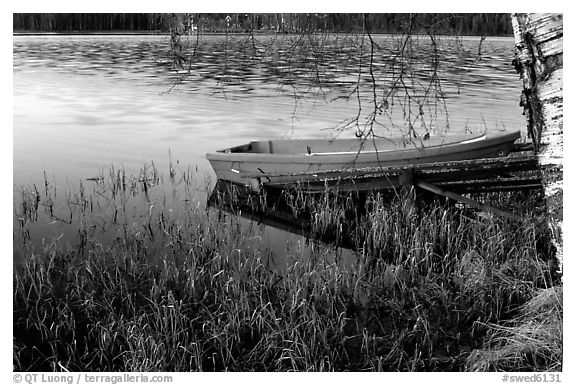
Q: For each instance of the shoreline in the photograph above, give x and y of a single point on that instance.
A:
(222, 33)
(89, 33)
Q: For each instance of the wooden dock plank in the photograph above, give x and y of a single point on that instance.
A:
(468, 201)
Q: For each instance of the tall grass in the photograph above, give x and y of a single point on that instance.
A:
(177, 287)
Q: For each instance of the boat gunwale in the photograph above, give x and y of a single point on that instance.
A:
(398, 154)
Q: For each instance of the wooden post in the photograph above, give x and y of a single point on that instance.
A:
(406, 180)
(539, 61)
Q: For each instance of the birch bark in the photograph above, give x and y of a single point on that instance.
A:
(539, 61)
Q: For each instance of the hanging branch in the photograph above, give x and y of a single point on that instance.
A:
(399, 78)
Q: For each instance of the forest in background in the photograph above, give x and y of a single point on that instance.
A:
(478, 24)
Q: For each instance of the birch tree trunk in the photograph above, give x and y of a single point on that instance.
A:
(539, 61)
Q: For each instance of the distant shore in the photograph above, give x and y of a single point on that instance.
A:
(165, 33)
(39, 33)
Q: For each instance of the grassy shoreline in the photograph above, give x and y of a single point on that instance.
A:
(189, 289)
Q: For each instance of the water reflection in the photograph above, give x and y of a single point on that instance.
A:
(106, 97)
(280, 213)
(87, 103)
(274, 209)
(249, 65)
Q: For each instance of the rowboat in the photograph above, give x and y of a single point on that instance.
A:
(277, 162)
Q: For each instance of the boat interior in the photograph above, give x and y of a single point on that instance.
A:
(323, 146)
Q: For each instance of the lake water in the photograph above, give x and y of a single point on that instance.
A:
(85, 103)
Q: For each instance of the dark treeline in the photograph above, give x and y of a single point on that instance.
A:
(439, 23)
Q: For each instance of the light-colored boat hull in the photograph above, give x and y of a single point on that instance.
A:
(277, 162)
